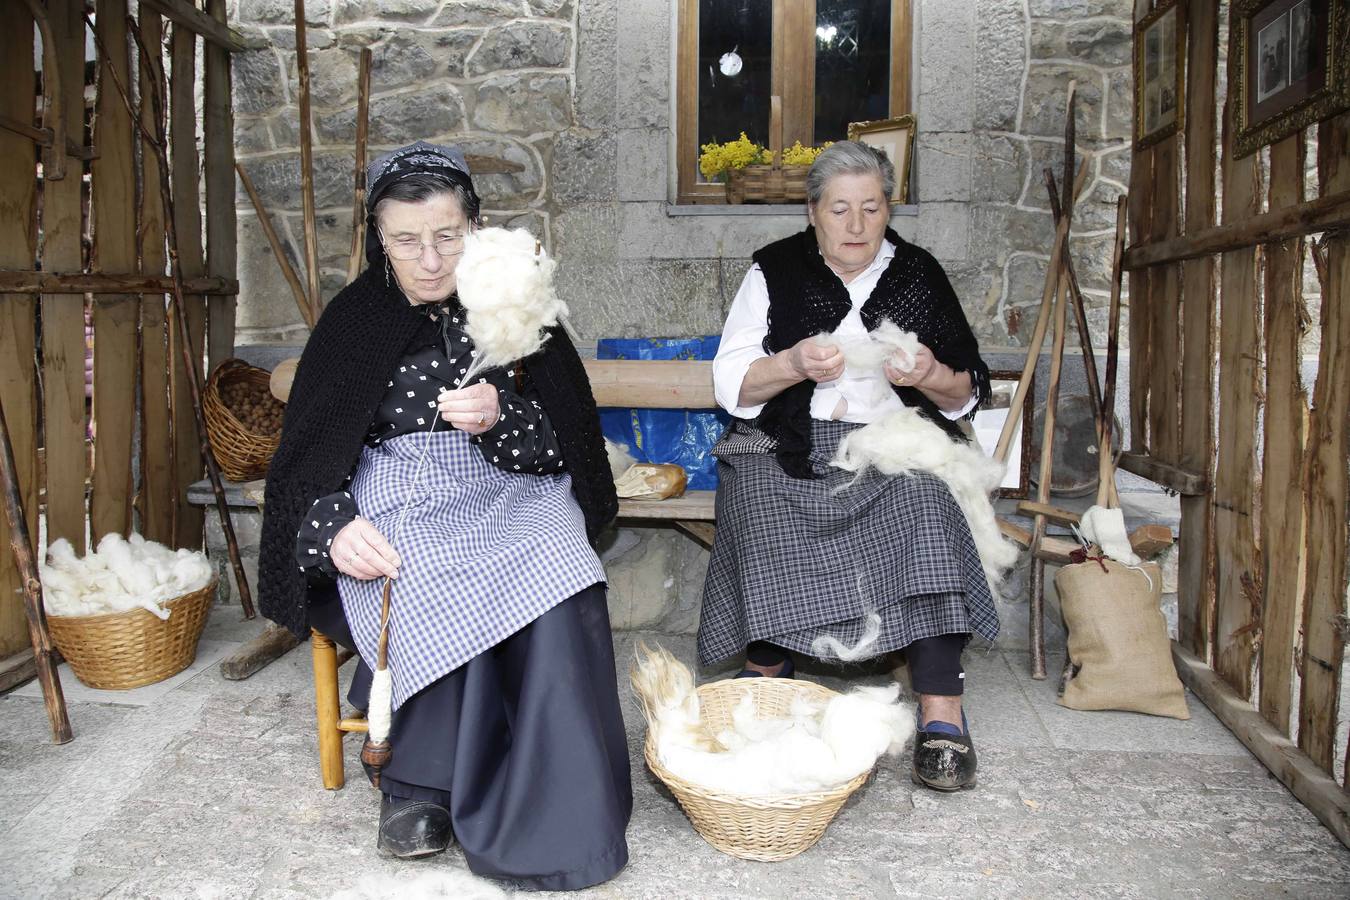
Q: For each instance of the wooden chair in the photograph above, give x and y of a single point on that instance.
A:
(643, 384)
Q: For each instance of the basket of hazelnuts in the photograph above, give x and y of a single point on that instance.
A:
(243, 419)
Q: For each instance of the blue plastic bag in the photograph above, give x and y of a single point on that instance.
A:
(683, 437)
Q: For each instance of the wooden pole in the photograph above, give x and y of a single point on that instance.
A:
(53, 103)
(19, 542)
(287, 270)
(157, 144)
(359, 200)
(1106, 470)
(307, 164)
(22, 281)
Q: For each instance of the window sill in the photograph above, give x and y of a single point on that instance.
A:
(761, 209)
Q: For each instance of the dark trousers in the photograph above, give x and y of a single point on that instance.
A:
(934, 662)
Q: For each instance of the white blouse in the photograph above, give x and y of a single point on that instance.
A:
(866, 396)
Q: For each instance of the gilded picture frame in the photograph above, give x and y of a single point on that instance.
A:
(895, 138)
(1159, 74)
(1289, 67)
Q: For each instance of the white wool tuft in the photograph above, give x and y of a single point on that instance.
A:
(904, 442)
(119, 575)
(1106, 528)
(827, 646)
(381, 705)
(440, 884)
(507, 292)
(886, 343)
(620, 458)
(817, 747)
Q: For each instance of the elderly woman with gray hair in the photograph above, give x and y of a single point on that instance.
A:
(507, 732)
(800, 551)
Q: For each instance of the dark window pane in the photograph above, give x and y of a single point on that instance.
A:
(735, 48)
(853, 65)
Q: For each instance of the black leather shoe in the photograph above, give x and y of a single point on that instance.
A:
(413, 828)
(944, 762)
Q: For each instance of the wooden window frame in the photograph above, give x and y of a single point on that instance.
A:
(794, 25)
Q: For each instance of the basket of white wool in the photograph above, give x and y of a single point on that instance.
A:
(128, 614)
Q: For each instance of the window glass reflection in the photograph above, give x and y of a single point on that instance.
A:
(853, 65)
(735, 49)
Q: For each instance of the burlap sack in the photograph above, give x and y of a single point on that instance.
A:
(1122, 657)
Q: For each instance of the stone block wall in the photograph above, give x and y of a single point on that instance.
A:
(580, 93)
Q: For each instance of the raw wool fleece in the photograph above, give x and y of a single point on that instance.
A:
(819, 746)
(903, 443)
(119, 575)
(505, 284)
(441, 884)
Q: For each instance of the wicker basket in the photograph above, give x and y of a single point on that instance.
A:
(241, 454)
(119, 651)
(765, 829)
(767, 184)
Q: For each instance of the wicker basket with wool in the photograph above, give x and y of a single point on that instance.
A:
(765, 829)
(124, 650)
(243, 454)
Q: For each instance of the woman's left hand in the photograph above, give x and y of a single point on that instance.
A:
(473, 410)
(925, 366)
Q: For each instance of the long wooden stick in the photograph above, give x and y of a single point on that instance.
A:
(43, 652)
(287, 270)
(25, 281)
(307, 163)
(359, 199)
(1106, 470)
(1036, 607)
(157, 143)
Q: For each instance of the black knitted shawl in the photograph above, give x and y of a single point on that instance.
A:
(807, 298)
(343, 373)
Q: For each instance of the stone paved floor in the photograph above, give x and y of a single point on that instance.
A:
(213, 791)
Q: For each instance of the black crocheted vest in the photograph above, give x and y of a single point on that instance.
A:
(807, 298)
(343, 374)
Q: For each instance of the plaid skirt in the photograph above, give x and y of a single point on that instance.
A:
(797, 559)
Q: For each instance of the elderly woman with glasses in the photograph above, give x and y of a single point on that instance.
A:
(507, 733)
(801, 551)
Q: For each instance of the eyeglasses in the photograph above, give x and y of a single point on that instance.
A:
(411, 248)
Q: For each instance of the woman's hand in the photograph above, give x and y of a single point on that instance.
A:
(811, 360)
(473, 409)
(359, 550)
(920, 374)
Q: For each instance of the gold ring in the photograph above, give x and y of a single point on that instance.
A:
(482, 417)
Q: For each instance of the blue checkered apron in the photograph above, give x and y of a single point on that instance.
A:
(485, 552)
(794, 559)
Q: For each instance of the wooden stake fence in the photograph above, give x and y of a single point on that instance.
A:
(1265, 475)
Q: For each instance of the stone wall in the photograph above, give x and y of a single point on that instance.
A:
(579, 92)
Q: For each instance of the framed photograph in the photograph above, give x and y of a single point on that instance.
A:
(1293, 67)
(895, 138)
(1159, 74)
(989, 425)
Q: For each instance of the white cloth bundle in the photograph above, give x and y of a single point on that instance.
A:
(505, 283)
(119, 575)
(1106, 528)
(818, 747)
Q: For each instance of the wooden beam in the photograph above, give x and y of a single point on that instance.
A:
(1195, 564)
(188, 16)
(1236, 473)
(18, 312)
(1327, 473)
(1140, 215)
(218, 174)
(1169, 476)
(30, 282)
(1164, 401)
(1313, 787)
(185, 179)
(703, 532)
(157, 498)
(691, 506)
(902, 58)
(1322, 214)
(17, 669)
(116, 317)
(63, 336)
(652, 384)
(311, 227)
(1053, 513)
(1282, 463)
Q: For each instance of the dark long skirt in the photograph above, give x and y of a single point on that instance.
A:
(524, 744)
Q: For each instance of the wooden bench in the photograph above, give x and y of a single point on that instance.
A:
(660, 384)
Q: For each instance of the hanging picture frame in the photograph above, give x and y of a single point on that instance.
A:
(1159, 74)
(1289, 65)
(895, 138)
